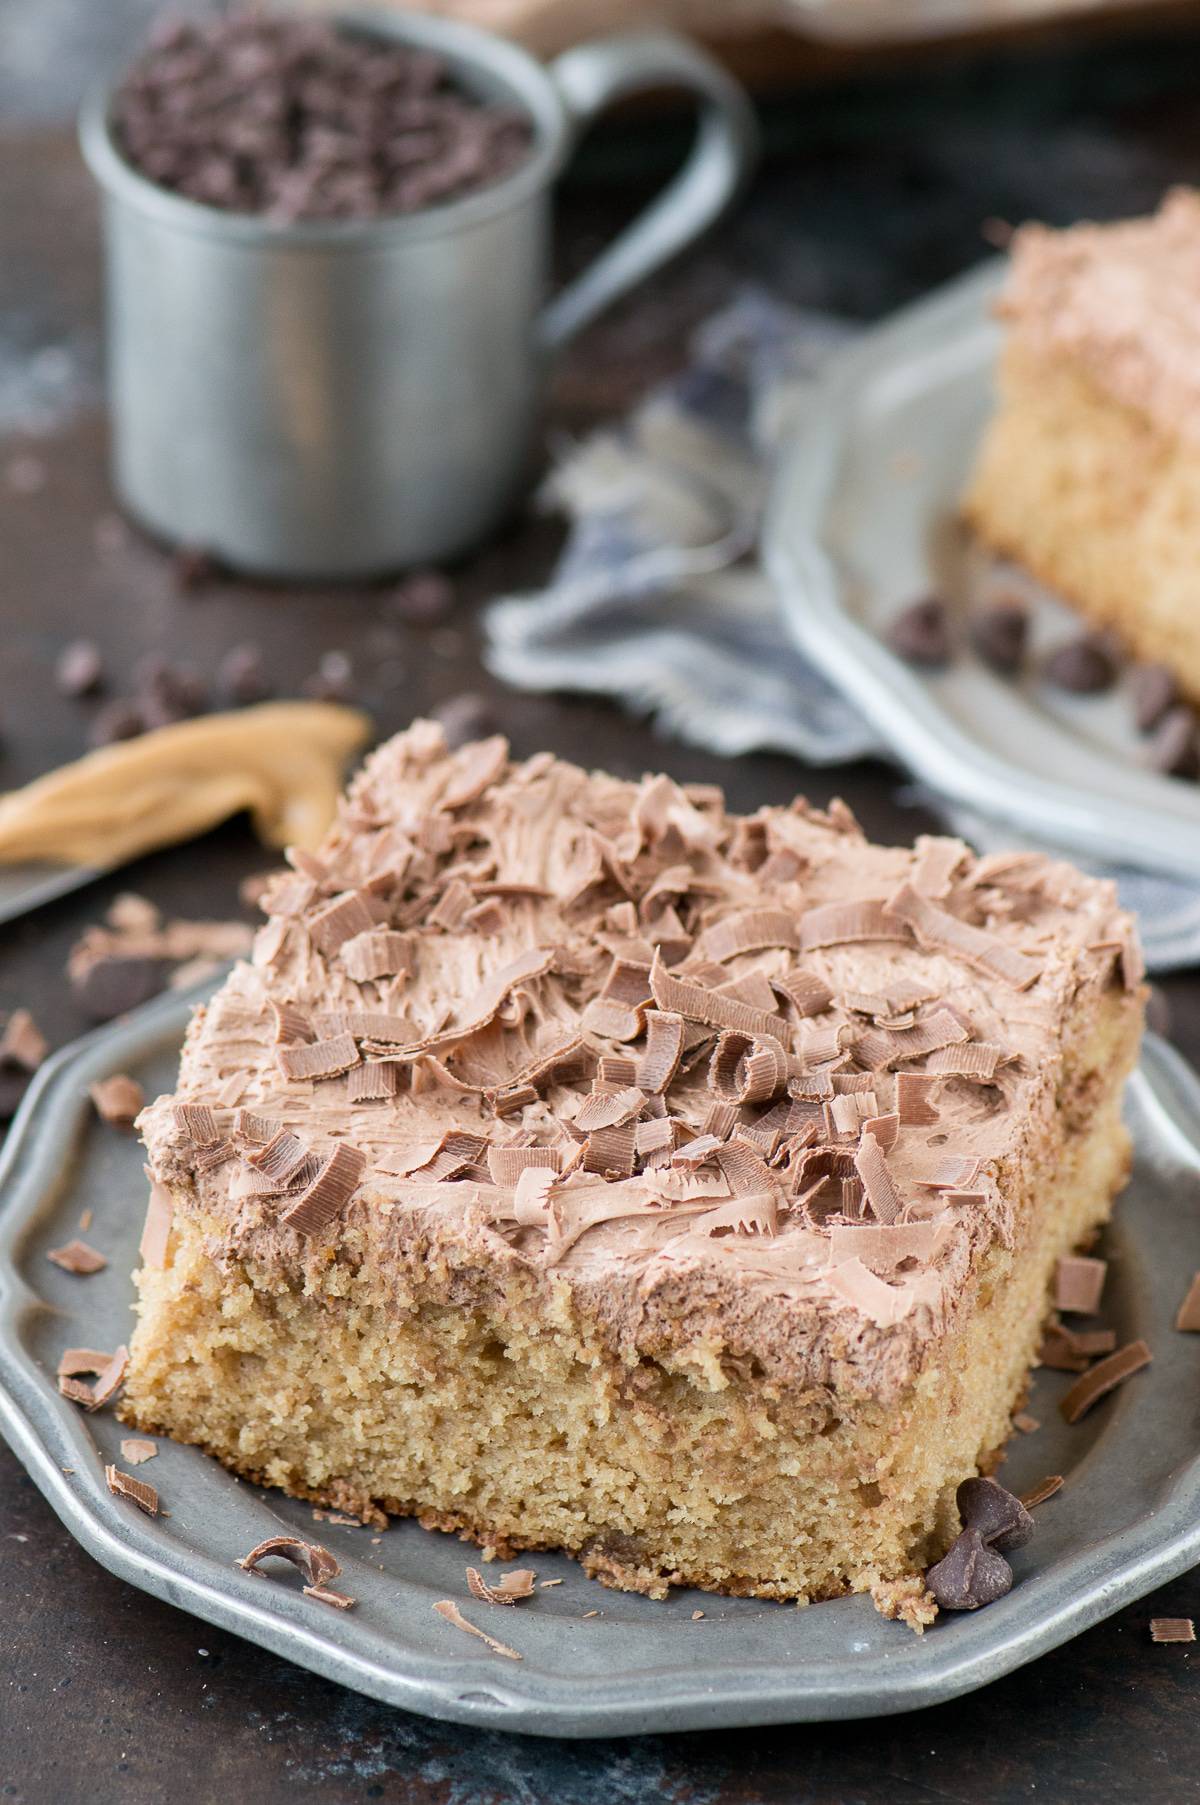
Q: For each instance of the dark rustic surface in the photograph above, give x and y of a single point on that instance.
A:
(873, 193)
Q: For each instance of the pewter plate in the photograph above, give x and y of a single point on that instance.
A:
(862, 520)
(1127, 1519)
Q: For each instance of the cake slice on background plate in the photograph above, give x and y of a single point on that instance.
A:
(1089, 473)
(576, 1165)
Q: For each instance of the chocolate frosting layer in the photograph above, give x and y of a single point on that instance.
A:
(743, 1087)
(1123, 302)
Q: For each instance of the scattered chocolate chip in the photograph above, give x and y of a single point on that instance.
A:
(332, 680)
(465, 717)
(1155, 691)
(120, 720)
(111, 984)
(242, 676)
(193, 567)
(1085, 666)
(921, 633)
(1175, 746)
(998, 1517)
(167, 692)
(79, 671)
(970, 1575)
(1000, 633)
(425, 599)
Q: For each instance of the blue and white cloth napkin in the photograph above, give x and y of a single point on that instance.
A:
(659, 602)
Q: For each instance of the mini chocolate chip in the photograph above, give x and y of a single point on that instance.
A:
(111, 984)
(1174, 749)
(1000, 633)
(79, 671)
(970, 1575)
(468, 716)
(241, 675)
(425, 599)
(119, 720)
(1001, 1519)
(1085, 665)
(1154, 691)
(921, 633)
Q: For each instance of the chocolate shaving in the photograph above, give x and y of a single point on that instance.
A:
(811, 1087)
(940, 932)
(377, 953)
(720, 1120)
(109, 1369)
(119, 1100)
(280, 1158)
(1172, 1629)
(845, 923)
(328, 1194)
(315, 1563)
(477, 767)
(451, 908)
(291, 1026)
(77, 1257)
(1044, 1489)
(326, 1595)
(884, 1248)
(509, 1588)
(455, 1152)
(1103, 1378)
(1078, 1283)
(611, 1152)
(156, 1230)
(343, 919)
(22, 1042)
(749, 932)
(124, 1485)
(886, 1129)
(871, 1165)
(135, 1450)
(807, 993)
(654, 1138)
(506, 1164)
(696, 1004)
(954, 1174)
(446, 1607)
(614, 1110)
(196, 1122)
(320, 1059)
(936, 859)
(657, 1067)
(881, 1048)
(976, 1061)
(1188, 1318)
(374, 1082)
(823, 1045)
(915, 1092)
(747, 1070)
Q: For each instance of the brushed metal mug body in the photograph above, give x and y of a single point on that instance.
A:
(348, 398)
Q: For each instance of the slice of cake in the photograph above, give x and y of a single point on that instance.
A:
(1090, 471)
(579, 1166)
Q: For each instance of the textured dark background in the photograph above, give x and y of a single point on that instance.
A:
(873, 191)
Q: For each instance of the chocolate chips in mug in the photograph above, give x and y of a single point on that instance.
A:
(294, 119)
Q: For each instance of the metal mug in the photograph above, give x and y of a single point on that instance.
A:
(347, 398)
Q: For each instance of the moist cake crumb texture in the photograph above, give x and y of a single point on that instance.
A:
(1089, 473)
(577, 1165)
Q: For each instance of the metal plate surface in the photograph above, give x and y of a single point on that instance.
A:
(1127, 1519)
(862, 520)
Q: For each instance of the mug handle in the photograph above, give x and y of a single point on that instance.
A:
(589, 78)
